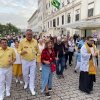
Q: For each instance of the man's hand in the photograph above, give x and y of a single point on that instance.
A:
(10, 62)
(95, 54)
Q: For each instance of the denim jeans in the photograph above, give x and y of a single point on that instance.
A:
(47, 76)
(60, 65)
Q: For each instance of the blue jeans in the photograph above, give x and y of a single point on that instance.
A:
(60, 65)
(46, 77)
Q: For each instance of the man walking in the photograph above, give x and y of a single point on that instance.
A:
(28, 49)
(88, 66)
(60, 57)
(7, 58)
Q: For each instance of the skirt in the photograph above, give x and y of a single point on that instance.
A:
(39, 58)
(17, 69)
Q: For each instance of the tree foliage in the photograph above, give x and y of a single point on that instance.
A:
(9, 29)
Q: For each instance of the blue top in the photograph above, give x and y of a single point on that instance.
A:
(78, 56)
(81, 43)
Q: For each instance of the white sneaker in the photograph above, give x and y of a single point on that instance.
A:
(7, 93)
(40, 68)
(16, 80)
(21, 82)
(25, 86)
(33, 92)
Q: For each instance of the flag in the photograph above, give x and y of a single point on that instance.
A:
(55, 3)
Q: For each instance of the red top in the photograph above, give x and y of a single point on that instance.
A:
(47, 56)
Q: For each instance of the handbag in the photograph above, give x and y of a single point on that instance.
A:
(53, 67)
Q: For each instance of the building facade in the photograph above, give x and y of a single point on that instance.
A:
(74, 16)
(36, 20)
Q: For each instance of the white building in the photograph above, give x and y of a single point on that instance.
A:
(36, 20)
(74, 16)
(33, 22)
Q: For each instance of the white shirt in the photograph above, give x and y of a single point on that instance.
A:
(85, 56)
(41, 47)
(18, 57)
(12, 45)
(71, 46)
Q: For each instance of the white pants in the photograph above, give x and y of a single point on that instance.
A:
(5, 80)
(78, 65)
(29, 67)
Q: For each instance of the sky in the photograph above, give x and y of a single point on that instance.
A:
(17, 12)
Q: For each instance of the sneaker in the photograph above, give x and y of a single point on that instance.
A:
(7, 93)
(75, 71)
(50, 89)
(70, 64)
(40, 68)
(88, 92)
(25, 86)
(59, 76)
(21, 82)
(16, 80)
(65, 68)
(33, 92)
(62, 76)
(47, 95)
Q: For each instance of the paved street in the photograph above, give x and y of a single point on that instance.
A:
(63, 89)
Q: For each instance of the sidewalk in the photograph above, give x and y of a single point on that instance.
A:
(63, 89)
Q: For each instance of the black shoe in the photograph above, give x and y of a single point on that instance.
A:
(65, 68)
(70, 64)
(88, 92)
(58, 76)
(75, 71)
(50, 89)
(47, 95)
(62, 76)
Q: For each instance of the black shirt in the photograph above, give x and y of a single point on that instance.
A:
(59, 49)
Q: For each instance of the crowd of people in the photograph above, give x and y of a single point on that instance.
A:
(19, 57)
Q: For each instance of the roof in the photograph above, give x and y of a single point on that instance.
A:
(33, 15)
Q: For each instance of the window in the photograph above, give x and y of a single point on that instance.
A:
(49, 4)
(46, 6)
(90, 9)
(50, 23)
(62, 4)
(62, 19)
(68, 1)
(69, 18)
(58, 21)
(54, 22)
(90, 12)
(77, 15)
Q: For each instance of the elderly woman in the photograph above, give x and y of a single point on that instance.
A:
(47, 57)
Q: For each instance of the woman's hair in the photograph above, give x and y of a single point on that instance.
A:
(47, 42)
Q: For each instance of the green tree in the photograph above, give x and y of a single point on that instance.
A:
(9, 29)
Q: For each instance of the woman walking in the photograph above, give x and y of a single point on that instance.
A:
(47, 57)
(17, 66)
(71, 49)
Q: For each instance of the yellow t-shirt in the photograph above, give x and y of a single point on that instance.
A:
(30, 47)
(6, 56)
